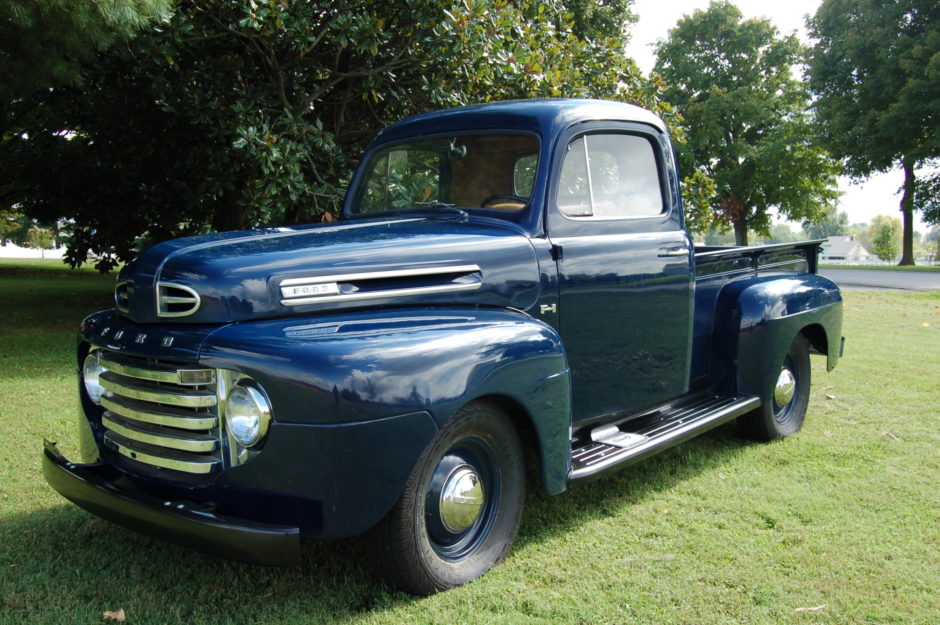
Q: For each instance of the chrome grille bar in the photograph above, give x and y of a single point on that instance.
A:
(161, 414)
(143, 391)
(160, 457)
(156, 373)
(158, 435)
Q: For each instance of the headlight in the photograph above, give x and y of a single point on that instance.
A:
(91, 374)
(247, 414)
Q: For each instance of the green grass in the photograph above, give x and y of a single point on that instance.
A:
(844, 517)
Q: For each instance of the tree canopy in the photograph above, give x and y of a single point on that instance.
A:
(832, 222)
(245, 113)
(745, 115)
(45, 42)
(875, 67)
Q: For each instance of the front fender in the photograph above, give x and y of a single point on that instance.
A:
(354, 368)
(756, 320)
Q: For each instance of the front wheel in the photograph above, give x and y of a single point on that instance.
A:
(783, 415)
(460, 508)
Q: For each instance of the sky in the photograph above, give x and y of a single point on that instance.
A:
(877, 195)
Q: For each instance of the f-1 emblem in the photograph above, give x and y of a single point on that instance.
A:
(548, 308)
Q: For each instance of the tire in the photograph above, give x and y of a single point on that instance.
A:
(460, 509)
(783, 415)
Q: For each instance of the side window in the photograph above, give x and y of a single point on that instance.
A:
(610, 176)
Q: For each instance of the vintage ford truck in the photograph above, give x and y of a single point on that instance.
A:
(510, 286)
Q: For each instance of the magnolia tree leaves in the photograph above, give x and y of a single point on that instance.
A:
(246, 113)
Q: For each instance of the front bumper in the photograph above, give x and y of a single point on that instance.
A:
(101, 490)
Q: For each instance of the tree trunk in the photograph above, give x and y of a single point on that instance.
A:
(740, 232)
(228, 215)
(907, 210)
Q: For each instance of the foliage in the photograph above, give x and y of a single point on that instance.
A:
(927, 197)
(599, 20)
(732, 80)
(783, 233)
(867, 234)
(45, 42)
(879, 104)
(830, 223)
(884, 242)
(10, 225)
(697, 193)
(39, 238)
(244, 113)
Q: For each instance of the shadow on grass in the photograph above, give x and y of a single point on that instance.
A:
(546, 517)
(65, 565)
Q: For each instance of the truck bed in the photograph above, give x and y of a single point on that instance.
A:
(715, 267)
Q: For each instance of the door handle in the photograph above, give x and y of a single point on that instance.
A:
(676, 253)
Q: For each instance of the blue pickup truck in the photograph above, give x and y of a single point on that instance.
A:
(510, 285)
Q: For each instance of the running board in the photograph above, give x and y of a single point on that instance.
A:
(631, 441)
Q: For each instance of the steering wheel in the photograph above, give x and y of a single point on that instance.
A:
(500, 200)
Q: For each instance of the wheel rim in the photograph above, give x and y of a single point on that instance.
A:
(784, 391)
(461, 500)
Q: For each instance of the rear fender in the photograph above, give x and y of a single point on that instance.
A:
(757, 319)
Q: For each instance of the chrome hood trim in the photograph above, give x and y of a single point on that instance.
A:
(347, 288)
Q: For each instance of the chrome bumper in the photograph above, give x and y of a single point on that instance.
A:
(101, 490)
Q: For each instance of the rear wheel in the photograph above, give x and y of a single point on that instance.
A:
(461, 506)
(783, 415)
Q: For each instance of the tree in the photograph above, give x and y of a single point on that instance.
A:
(927, 197)
(782, 233)
(882, 236)
(600, 20)
(733, 82)
(875, 68)
(831, 223)
(10, 225)
(884, 243)
(242, 113)
(45, 42)
(39, 238)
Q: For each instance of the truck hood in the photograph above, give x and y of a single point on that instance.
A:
(239, 276)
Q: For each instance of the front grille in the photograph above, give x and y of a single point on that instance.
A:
(161, 414)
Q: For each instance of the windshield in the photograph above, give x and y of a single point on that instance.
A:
(495, 172)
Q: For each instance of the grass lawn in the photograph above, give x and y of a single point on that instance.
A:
(839, 524)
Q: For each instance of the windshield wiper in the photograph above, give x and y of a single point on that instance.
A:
(445, 206)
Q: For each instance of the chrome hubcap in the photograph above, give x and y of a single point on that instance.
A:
(785, 388)
(462, 499)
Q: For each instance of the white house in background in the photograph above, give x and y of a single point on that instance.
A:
(844, 249)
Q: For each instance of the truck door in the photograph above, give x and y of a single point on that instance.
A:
(624, 268)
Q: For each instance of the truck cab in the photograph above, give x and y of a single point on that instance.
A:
(507, 281)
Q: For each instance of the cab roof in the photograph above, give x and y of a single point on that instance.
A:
(544, 117)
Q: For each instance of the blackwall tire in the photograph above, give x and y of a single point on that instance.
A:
(460, 509)
(784, 415)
